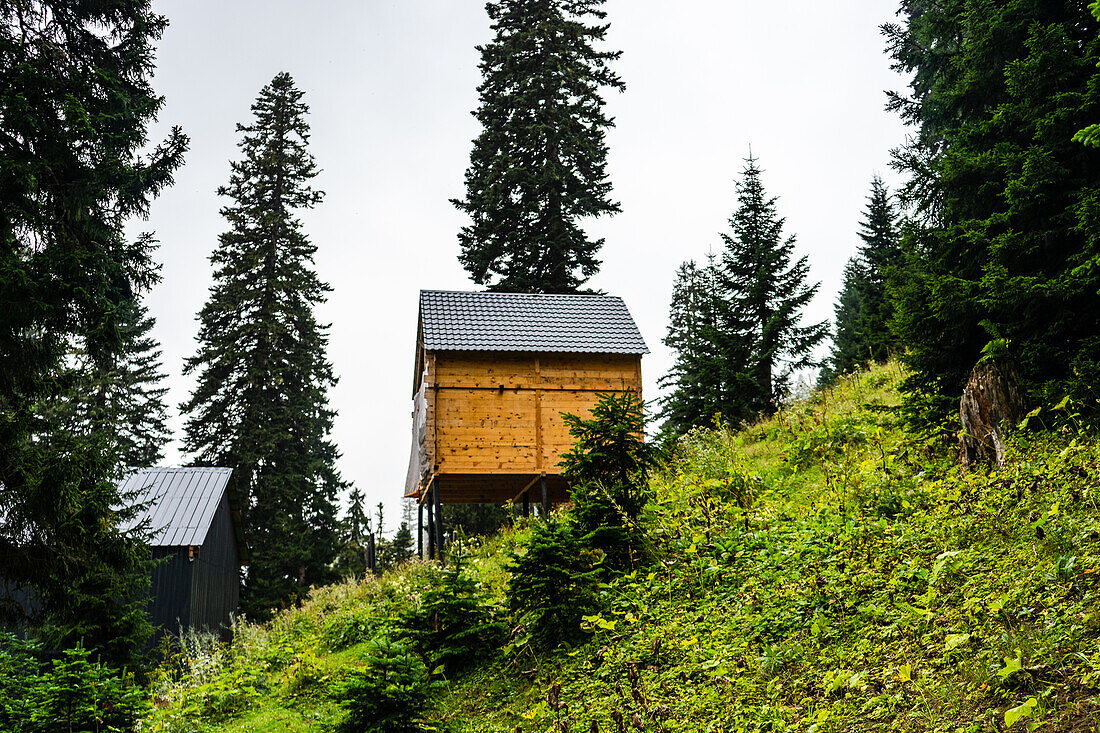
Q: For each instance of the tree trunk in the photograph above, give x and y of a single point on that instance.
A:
(991, 404)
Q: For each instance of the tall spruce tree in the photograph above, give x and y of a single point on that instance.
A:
(261, 405)
(1007, 204)
(762, 296)
(539, 166)
(863, 309)
(75, 103)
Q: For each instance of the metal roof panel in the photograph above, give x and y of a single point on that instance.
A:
(468, 321)
(178, 503)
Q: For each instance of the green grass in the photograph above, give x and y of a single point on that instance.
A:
(822, 570)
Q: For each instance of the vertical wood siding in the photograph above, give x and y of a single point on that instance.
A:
(170, 591)
(215, 577)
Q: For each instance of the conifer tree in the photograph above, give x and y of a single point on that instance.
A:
(538, 168)
(357, 524)
(762, 295)
(75, 103)
(139, 410)
(1006, 204)
(863, 310)
(1090, 135)
(849, 337)
(607, 468)
(261, 404)
(456, 624)
(352, 558)
(694, 381)
(121, 399)
(401, 546)
(553, 584)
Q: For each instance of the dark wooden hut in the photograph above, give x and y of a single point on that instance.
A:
(494, 373)
(197, 543)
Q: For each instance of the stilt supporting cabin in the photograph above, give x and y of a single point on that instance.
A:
(494, 373)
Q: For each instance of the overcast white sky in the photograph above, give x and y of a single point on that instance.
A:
(391, 84)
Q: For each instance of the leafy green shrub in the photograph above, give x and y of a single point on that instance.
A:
(391, 695)
(553, 584)
(830, 440)
(67, 693)
(224, 696)
(348, 627)
(304, 677)
(454, 625)
(608, 468)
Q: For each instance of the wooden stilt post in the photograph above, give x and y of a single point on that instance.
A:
(431, 526)
(420, 530)
(526, 503)
(545, 496)
(439, 525)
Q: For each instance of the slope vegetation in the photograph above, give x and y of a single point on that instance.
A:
(819, 571)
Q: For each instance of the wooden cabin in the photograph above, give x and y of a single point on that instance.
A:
(197, 544)
(493, 374)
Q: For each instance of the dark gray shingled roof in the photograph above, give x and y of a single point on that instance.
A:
(180, 502)
(461, 321)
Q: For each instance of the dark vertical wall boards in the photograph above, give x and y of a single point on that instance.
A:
(197, 542)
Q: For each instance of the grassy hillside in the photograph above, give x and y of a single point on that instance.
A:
(819, 571)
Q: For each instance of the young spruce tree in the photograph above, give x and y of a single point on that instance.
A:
(539, 165)
(849, 347)
(75, 103)
(608, 470)
(863, 309)
(261, 404)
(352, 558)
(762, 295)
(137, 396)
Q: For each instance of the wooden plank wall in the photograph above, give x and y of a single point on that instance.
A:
(501, 413)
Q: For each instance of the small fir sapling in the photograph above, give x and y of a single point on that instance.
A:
(608, 469)
(455, 625)
(392, 694)
(553, 584)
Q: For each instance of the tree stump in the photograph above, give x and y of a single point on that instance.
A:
(991, 404)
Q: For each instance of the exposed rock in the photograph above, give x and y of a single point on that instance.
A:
(991, 404)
